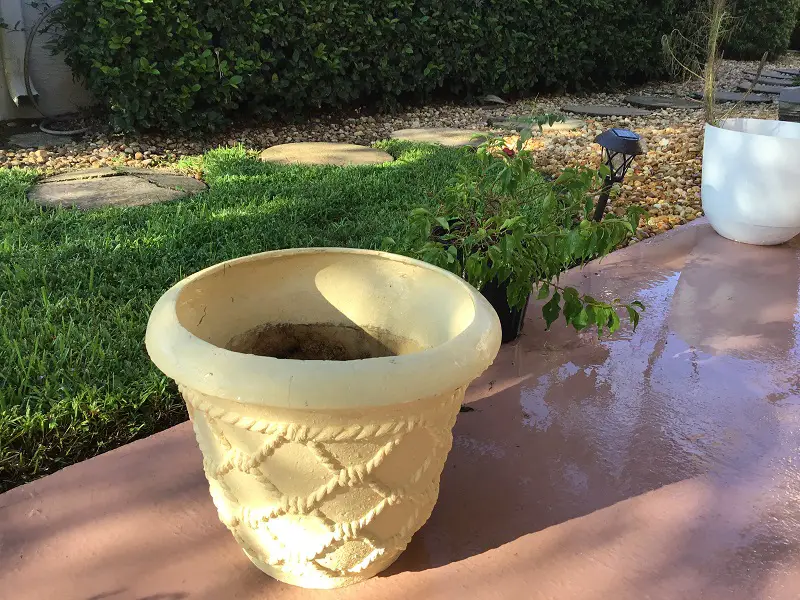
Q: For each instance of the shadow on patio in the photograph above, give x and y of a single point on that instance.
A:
(659, 464)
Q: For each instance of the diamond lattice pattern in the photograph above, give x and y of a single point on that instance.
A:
(335, 502)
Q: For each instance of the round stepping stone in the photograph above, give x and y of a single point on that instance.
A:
(166, 179)
(81, 174)
(663, 102)
(491, 98)
(789, 105)
(96, 188)
(722, 96)
(598, 110)
(771, 81)
(770, 74)
(518, 123)
(34, 139)
(325, 153)
(444, 136)
(760, 88)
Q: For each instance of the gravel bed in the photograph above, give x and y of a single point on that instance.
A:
(666, 182)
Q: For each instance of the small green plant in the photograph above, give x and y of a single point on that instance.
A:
(505, 224)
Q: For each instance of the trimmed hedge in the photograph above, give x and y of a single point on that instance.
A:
(197, 63)
(794, 43)
(762, 26)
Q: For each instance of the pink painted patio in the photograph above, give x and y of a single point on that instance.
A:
(660, 464)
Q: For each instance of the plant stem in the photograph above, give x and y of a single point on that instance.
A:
(717, 17)
(736, 106)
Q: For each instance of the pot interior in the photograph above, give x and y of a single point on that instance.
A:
(325, 305)
(320, 341)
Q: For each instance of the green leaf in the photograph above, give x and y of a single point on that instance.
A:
(598, 316)
(570, 293)
(633, 316)
(613, 321)
(495, 256)
(444, 223)
(633, 214)
(566, 177)
(590, 312)
(572, 305)
(475, 269)
(588, 208)
(552, 309)
(581, 320)
(544, 291)
(519, 289)
(507, 245)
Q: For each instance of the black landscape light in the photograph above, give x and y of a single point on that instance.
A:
(620, 147)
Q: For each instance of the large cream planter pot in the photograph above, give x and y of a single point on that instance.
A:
(323, 470)
(751, 180)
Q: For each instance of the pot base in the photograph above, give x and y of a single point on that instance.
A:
(747, 233)
(323, 581)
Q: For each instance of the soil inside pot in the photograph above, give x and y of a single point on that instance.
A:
(320, 341)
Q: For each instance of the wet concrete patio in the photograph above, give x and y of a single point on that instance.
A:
(660, 464)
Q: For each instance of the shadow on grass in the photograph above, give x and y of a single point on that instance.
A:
(77, 287)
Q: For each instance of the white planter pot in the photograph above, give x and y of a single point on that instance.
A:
(751, 180)
(323, 469)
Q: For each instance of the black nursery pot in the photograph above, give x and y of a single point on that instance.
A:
(511, 319)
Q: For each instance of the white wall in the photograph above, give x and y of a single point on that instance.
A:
(52, 79)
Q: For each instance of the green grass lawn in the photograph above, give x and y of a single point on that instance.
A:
(76, 287)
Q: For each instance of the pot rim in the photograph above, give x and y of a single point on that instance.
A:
(774, 122)
(320, 384)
